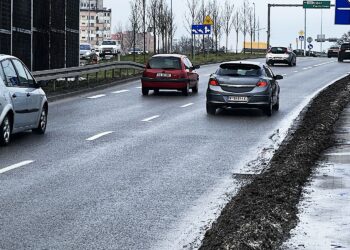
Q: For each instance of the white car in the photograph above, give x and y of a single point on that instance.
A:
(109, 48)
(23, 104)
(85, 50)
(281, 55)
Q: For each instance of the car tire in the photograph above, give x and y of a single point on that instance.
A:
(5, 132)
(211, 109)
(195, 88)
(186, 90)
(340, 59)
(268, 109)
(276, 107)
(42, 122)
(156, 91)
(145, 91)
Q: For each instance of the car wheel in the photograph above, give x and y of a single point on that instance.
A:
(186, 90)
(276, 107)
(145, 91)
(340, 59)
(42, 122)
(268, 109)
(5, 129)
(211, 109)
(195, 88)
(156, 91)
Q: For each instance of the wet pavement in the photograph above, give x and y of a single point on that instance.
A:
(324, 212)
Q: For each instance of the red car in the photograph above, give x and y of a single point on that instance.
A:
(170, 71)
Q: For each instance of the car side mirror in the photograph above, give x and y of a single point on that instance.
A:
(278, 77)
(196, 67)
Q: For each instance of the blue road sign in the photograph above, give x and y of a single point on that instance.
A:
(201, 29)
(342, 12)
(310, 46)
(301, 38)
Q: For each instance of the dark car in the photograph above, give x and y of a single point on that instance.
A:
(281, 55)
(170, 71)
(344, 52)
(333, 51)
(245, 85)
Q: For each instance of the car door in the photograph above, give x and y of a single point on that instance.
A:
(190, 72)
(274, 84)
(18, 94)
(33, 97)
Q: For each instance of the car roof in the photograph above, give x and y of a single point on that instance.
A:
(169, 55)
(244, 63)
(3, 56)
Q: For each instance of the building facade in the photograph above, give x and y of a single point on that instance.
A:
(95, 22)
(44, 34)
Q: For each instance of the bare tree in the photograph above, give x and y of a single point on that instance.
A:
(244, 18)
(237, 25)
(251, 27)
(218, 22)
(190, 18)
(135, 20)
(227, 15)
(152, 15)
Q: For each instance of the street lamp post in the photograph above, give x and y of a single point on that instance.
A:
(144, 30)
(171, 26)
(89, 22)
(254, 22)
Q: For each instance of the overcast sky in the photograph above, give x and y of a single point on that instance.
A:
(285, 22)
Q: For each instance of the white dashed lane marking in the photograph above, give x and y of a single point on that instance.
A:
(120, 91)
(186, 105)
(95, 137)
(151, 118)
(18, 165)
(96, 96)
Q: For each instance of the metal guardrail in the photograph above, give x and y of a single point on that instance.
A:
(74, 72)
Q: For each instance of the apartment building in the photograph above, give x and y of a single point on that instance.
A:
(95, 22)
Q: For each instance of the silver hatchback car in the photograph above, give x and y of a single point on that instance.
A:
(23, 104)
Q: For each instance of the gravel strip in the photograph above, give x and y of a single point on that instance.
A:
(262, 214)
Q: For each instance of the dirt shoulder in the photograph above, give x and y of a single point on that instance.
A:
(262, 214)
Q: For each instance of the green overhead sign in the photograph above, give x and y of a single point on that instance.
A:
(317, 4)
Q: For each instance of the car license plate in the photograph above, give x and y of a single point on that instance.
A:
(163, 75)
(238, 99)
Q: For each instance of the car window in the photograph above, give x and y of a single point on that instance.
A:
(22, 75)
(188, 64)
(164, 63)
(2, 75)
(11, 78)
(268, 72)
(278, 50)
(31, 81)
(239, 70)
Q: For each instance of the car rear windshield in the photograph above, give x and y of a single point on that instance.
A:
(345, 46)
(164, 63)
(278, 50)
(85, 47)
(109, 43)
(239, 70)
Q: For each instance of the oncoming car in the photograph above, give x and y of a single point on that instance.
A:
(23, 104)
(243, 84)
(281, 55)
(170, 71)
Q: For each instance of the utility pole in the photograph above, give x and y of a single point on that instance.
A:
(89, 22)
(144, 31)
(254, 22)
(171, 27)
(305, 34)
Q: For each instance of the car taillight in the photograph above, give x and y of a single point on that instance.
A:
(213, 82)
(261, 84)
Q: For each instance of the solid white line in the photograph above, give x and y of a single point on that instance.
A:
(339, 154)
(99, 135)
(150, 118)
(18, 165)
(96, 96)
(186, 105)
(120, 91)
(139, 87)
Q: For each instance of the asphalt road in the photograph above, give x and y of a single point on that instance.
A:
(121, 171)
